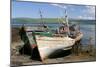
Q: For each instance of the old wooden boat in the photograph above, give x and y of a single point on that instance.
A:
(48, 42)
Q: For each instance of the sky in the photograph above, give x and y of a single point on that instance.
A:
(49, 10)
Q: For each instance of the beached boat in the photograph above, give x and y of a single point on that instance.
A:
(48, 42)
(48, 45)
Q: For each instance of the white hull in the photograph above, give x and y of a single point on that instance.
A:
(47, 45)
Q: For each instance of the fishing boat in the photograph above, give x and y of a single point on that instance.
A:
(48, 42)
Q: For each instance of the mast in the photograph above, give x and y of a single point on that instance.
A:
(66, 20)
(41, 17)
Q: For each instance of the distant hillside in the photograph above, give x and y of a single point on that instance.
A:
(48, 20)
(31, 20)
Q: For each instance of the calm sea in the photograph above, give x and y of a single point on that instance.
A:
(86, 27)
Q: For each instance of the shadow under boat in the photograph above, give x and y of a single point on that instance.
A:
(60, 53)
(33, 53)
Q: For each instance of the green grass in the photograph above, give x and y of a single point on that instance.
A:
(34, 20)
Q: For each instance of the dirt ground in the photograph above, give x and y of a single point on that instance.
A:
(17, 59)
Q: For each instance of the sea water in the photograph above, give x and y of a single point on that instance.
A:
(88, 28)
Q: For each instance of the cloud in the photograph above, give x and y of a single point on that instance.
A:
(61, 6)
(90, 12)
(62, 10)
(91, 9)
(87, 13)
